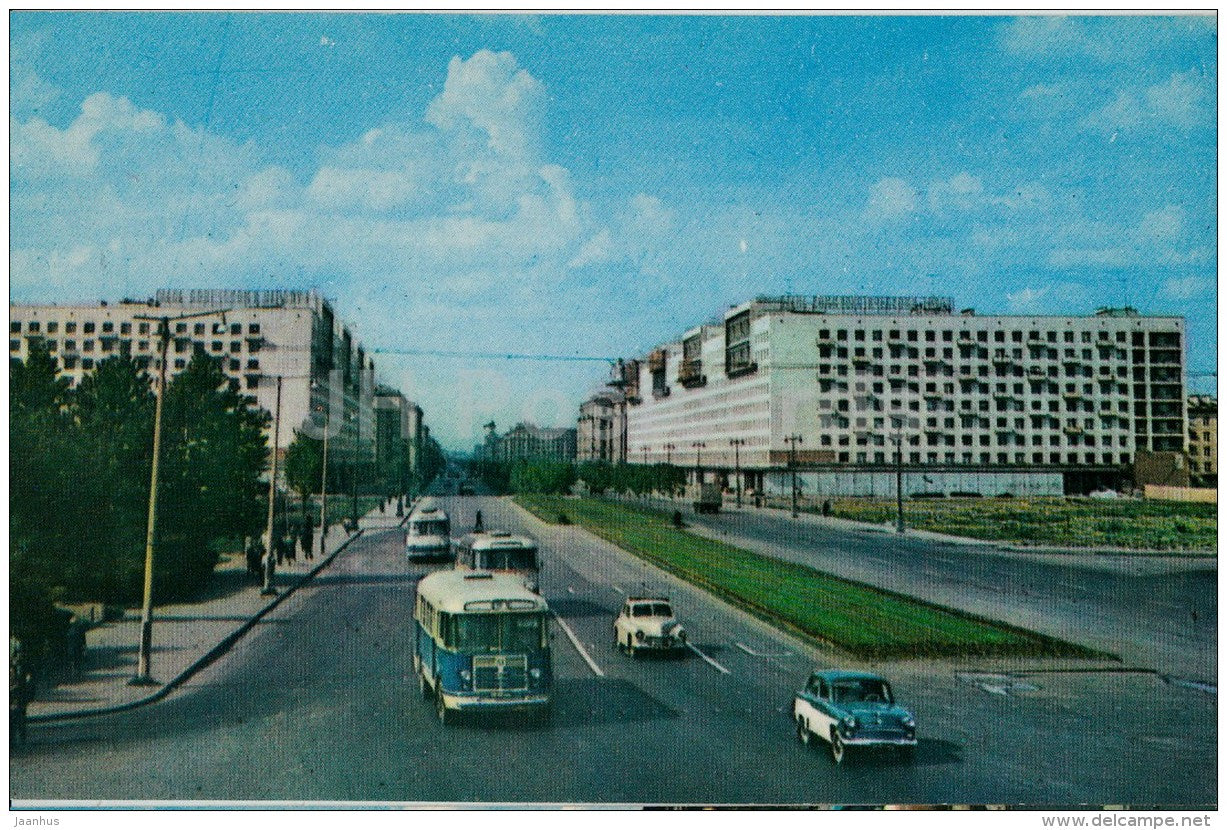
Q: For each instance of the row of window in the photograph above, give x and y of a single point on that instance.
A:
(89, 327)
(113, 344)
(988, 458)
(1156, 339)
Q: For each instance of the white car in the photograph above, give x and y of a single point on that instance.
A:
(648, 623)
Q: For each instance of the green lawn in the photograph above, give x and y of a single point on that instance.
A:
(863, 620)
(1146, 525)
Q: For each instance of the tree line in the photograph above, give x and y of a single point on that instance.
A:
(79, 473)
(555, 477)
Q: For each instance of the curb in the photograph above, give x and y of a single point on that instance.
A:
(207, 658)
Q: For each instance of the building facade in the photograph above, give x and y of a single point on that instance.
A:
(601, 430)
(1203, 440)
(529, 442)
(327, 377)
(985, 404)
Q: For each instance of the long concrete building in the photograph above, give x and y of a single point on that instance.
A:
(986, 404)
(256, 334)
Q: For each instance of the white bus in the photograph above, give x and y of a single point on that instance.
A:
(481, 642)
(429, 532)
(501, 552)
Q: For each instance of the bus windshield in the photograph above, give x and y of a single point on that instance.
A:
(494, 633)
(517, 559)
(430, 527)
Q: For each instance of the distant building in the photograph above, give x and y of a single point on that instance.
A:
(526, 441)
(262, 334)
(601, 432)
(398, 439)
(987, 404)
(1203, 440)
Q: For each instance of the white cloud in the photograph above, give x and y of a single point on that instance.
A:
(891, 197)
(1186, 288)
(1056, 297)
(1162, 226)
(1184, 101)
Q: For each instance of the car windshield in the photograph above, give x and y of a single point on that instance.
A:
(518, 559)
(862, 691)
(494, 633)
(651, 609)
(431, 527)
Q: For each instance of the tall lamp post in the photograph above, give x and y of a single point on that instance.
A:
(792, 441)
(353, 505)
(698, 461)
(143, 666)
(669, 448)
(737, 444)
(645, 453)
(898, 423)
(270, 556)
(324, 479)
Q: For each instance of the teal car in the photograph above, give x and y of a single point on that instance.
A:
(852, 709)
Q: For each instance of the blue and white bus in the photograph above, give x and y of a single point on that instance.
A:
(481, 642)
(501, 552)
(429, 534)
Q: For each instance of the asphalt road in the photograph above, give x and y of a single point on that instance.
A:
(1154, 612)
(319, 704)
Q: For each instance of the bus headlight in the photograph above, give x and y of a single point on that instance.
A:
(466, 677)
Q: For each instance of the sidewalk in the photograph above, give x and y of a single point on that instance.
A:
(184, 635)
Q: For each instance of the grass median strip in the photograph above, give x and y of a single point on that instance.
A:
(858, 618)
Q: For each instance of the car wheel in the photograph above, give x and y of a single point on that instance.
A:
(445, 716)
(838, 750)
(803, 733)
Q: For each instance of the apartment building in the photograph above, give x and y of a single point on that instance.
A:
(1203, 440)
(975, 403)
(601, 431)
(257, 335)
(530, 442)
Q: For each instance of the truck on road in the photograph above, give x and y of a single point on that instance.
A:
(708, 498)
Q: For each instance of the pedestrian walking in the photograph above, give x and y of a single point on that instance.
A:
(308, 538)
(477, 528)
(21, 690)
(255, 554)
(287, 545)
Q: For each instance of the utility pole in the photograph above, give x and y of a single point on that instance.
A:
(144, 659)
(792, 441)
(898, 474)
(324, 479)
(270, 564)
(353, 505)
(737, 444)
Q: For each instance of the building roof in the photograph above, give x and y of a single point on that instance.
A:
(457, 591)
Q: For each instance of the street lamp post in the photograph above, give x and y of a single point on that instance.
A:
(737, 444)
(792, 441)
(144, 659)
(645, 453)
(899, 475)
(669, 448)
(270, 557)
(698, 461)
(353, 505)
(324, 479)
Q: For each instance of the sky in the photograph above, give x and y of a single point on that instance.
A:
(592, 185)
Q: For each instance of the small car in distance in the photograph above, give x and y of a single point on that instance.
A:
(850, 709)
(648, 624)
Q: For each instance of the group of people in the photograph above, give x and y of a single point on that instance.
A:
(284, 549)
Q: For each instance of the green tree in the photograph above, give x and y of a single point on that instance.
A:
(214, 452)
(114, 415)
(304, 466)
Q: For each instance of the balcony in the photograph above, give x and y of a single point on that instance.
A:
(691, 374)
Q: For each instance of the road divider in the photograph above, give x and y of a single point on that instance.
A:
(579, 647)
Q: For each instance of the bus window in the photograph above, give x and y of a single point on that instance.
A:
(492, 633)
(518, 559)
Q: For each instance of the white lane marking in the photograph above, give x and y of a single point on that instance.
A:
(570, 590)
(616, 588)
(710, 661)
(566, 629)
(754, 653)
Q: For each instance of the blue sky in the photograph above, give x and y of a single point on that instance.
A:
(591, 185)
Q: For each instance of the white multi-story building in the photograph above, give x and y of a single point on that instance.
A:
(983, 404)
(601, 428)
(256, 335)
